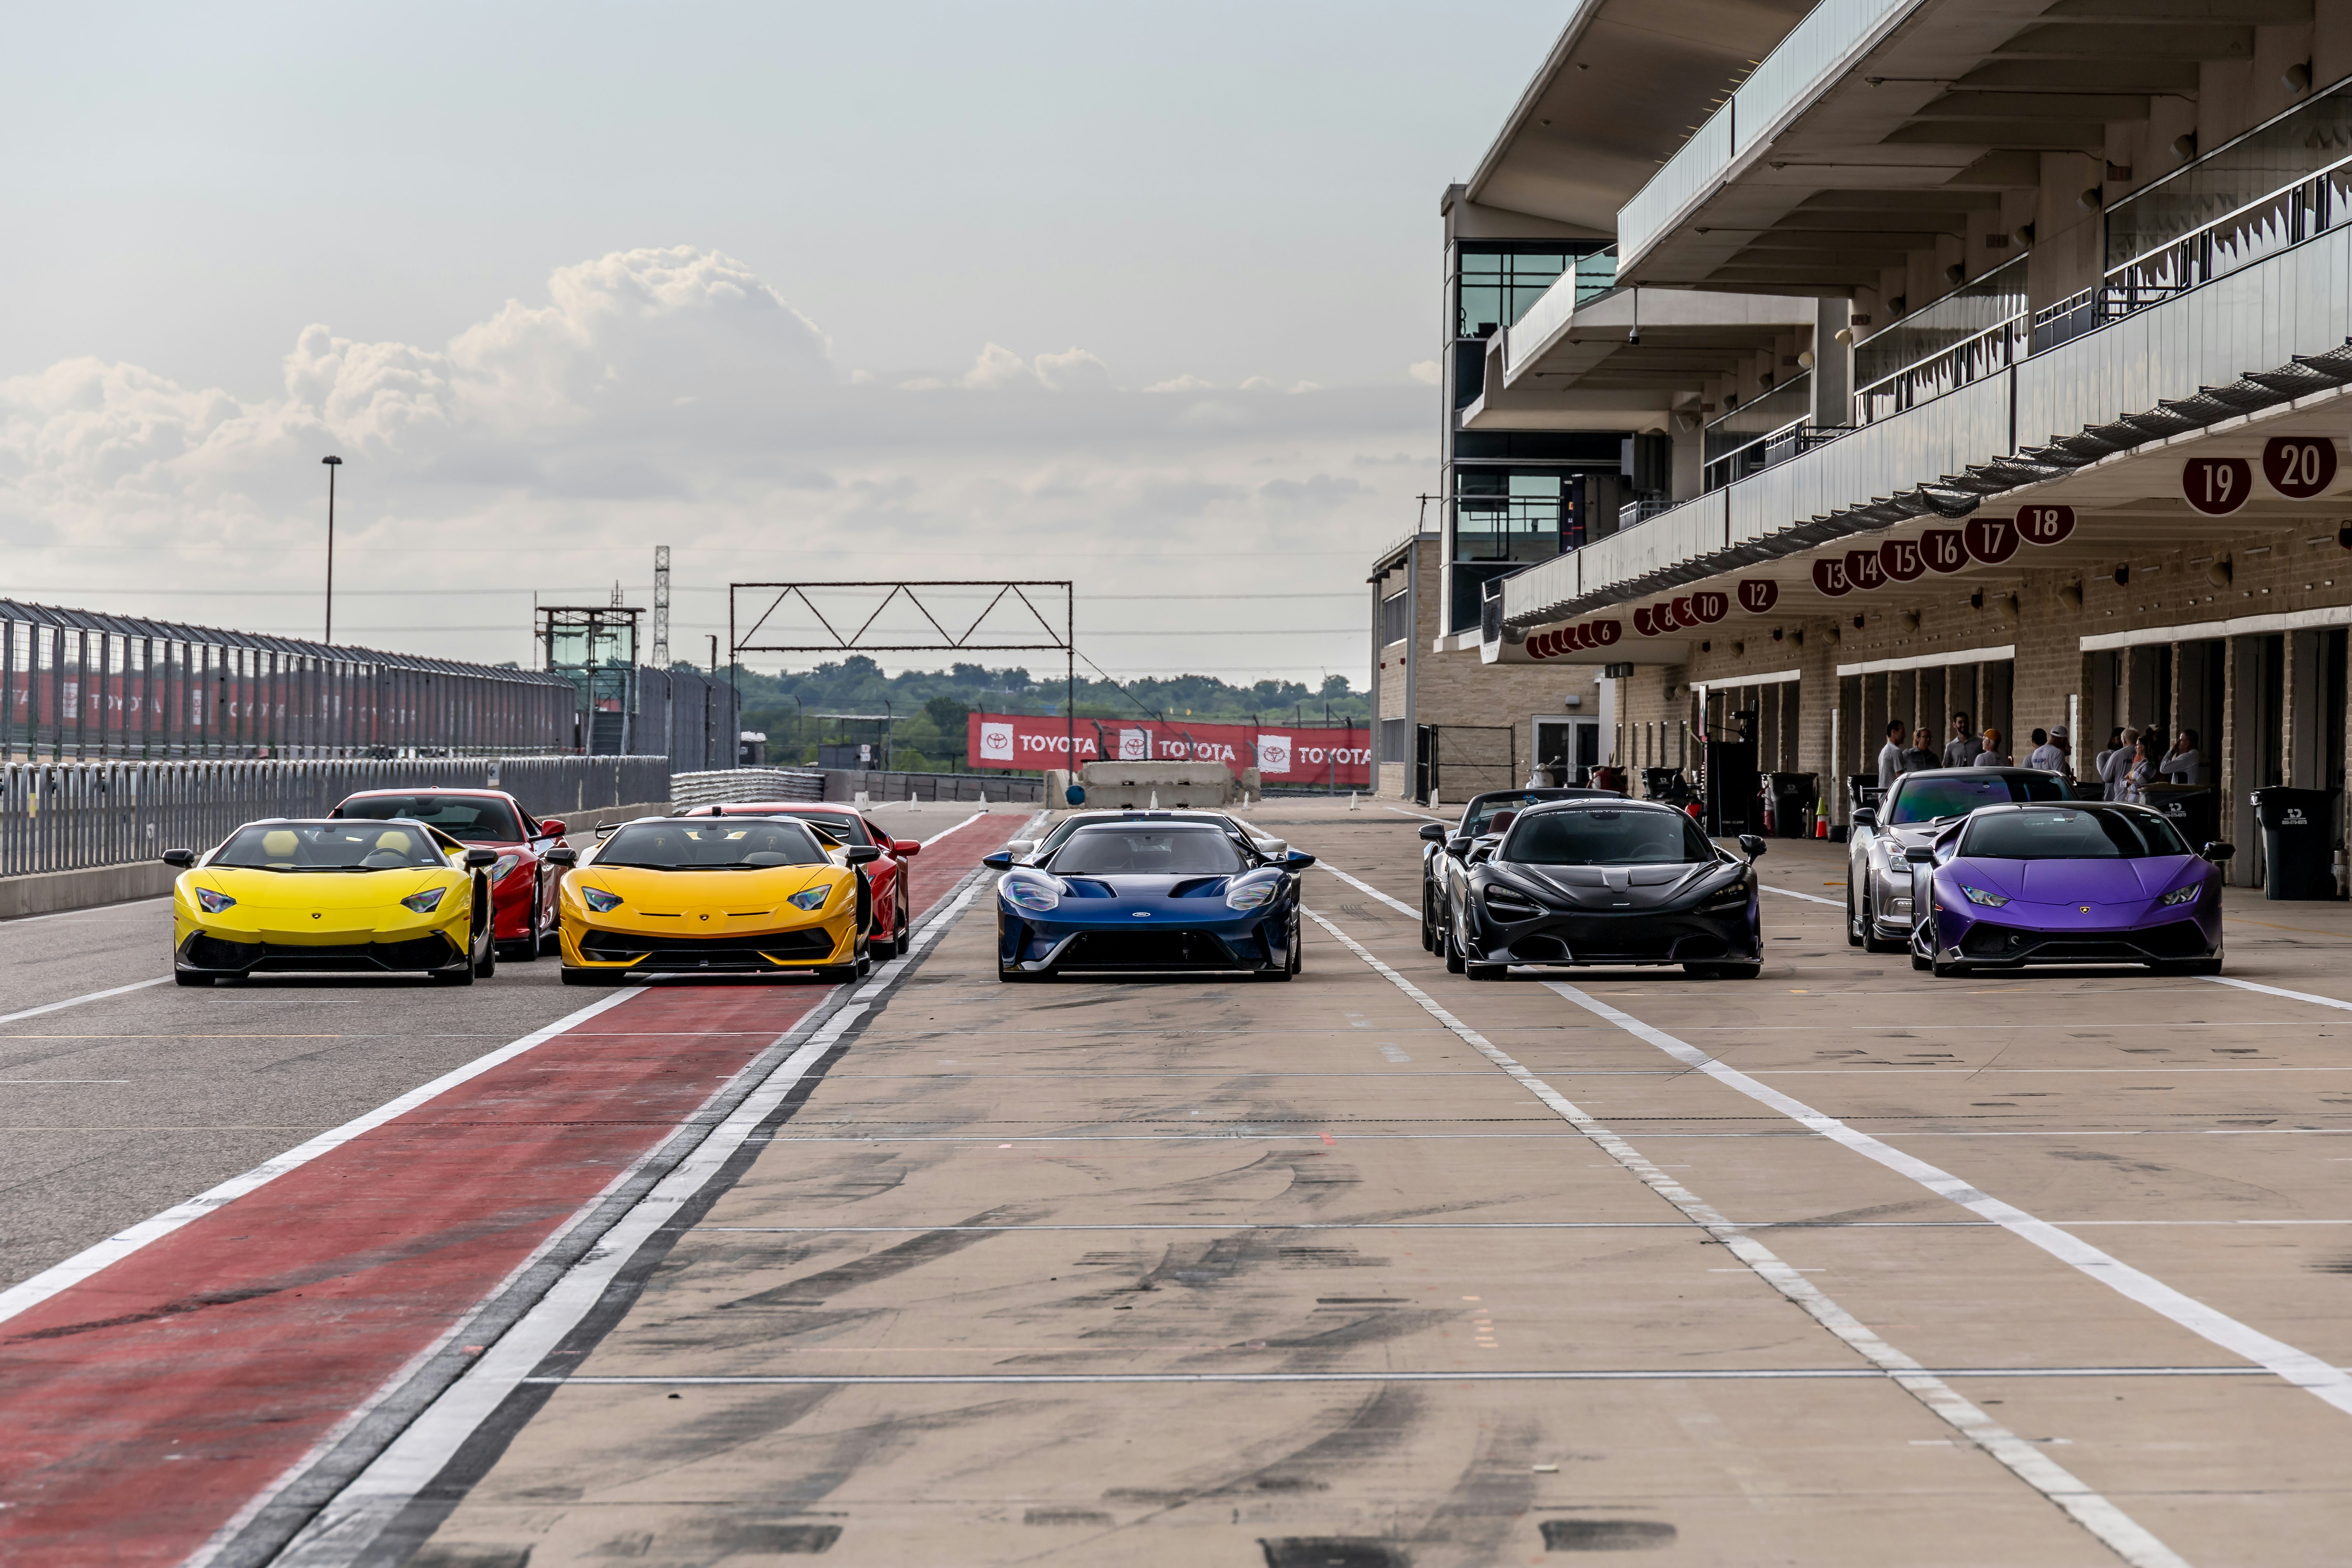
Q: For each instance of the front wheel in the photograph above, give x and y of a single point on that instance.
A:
(1451, 946)
(527, 950)
(2188, 967)
(1429, 939)
(1871, 940)
(1852, 926)
(182, 977)
(462, 976)
(591, 976)
(1487, 971)
(1723, 970)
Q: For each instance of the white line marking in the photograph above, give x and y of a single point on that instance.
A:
(2225, 980)
(958, 827)
(77, 1001)
(1364, 887)
(1424, 816)
(2302, 1369)
(2121, 1533)
(1792, 893)
(31, 1292)
(360, 1510)
(93, 910)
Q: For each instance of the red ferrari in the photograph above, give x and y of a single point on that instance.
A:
(893, 920)
(522, 884)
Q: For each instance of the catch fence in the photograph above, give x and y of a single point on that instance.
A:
(67, 816)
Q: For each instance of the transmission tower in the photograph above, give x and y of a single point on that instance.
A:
(661, 607)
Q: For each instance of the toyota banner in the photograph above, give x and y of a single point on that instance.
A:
(1335, 757)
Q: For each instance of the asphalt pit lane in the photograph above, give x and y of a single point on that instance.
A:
(1606, 1535)
(1091, 1517)
(1331, 1552)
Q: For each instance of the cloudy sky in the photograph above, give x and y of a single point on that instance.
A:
(1142, 296)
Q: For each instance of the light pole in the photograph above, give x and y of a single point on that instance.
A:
(332, 464)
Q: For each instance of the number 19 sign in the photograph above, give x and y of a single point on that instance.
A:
(2217, 486)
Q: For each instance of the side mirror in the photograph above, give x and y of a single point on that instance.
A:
(1273, 848)
(1751, 845)
(1433, 833)
(1920, 856)
(905, 848)
(862, 854)
(553, 827)
(1459, 847)
(561, 855)
(1863, 816)
(1020, 846)
(606, 830)
(2216, 851)
(479, 858)
(186, 857)
(1297, 860)
(1000, 862)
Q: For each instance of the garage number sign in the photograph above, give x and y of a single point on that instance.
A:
(2045, 524)
(2217, 486)
(2299, 467)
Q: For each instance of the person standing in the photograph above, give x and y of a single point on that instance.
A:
(2184, 765)
(2099, 763)
(1993, 756)
(2049, 751)
(2114, 771)
(1961, 749)
(1890, 755)
(2142, 773)
(1920, 754)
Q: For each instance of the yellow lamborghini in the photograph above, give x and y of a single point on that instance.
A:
(302, 897)
(743, 895)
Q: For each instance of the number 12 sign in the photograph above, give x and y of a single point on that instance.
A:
(2217, 486)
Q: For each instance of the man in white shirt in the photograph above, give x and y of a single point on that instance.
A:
(2099, 763)
(2049, 751)
(1962, 748)
(2117, 764)
(1890, 755)
(2184, 765)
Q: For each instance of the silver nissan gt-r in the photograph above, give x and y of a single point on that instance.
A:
(1916, 808)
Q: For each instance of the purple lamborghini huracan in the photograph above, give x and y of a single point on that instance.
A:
(2071, 882)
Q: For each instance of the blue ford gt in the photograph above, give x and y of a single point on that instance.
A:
(1146, 897)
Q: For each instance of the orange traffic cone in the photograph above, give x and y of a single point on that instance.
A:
(1821, 827)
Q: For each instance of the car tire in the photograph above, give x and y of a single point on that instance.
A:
(1871, 940)
(1852, 926)
(1943, 971)
(1920, 961)
(2188, 967)
(1014, 976)
(1450, 950)
(462, 976)
(1487, 971)
(1721, 971)
(1297, 955)
(527, 950)
(1429, 936)
(486, 962)
(182, 977)
(589, 976)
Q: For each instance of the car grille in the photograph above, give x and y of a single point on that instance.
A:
(2177, 939)
(206, 952)
(678, 952)
(1620, 939)
(1147, 950)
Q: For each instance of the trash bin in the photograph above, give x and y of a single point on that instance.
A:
(2298, 838)
(2195, 809)
(1794, 796)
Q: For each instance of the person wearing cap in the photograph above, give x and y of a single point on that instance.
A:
(2049, 751)
(1993, 756)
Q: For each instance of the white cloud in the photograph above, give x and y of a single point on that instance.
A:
(1423, 370)
(672, 396)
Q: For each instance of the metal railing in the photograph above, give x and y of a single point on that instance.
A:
(1947, 370)
(70, 817)
(725, 784)
(1635, 513)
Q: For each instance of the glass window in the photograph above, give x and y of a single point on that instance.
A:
(2076, 835)
(1521, 515)
(477, 819)
(1495, 289)
(1147, 852)
(1921, 799)
(2288, 149)
(1607, 838)
(331, 847)
(714, 844)
(1481, 817)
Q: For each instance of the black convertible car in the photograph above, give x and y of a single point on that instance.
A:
(1607, 883)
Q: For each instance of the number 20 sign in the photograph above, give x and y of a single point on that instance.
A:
(2299, 467)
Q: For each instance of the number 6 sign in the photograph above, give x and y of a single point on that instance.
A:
(2299, 467)
(2217, 486)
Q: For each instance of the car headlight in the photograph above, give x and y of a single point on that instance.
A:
(598, 900)
(1252, 895)
(1031, 893)
(1730, 895)
(504, 864)
(2186, 895)
(425, 902)
(1979, 896)
(1506, 905)
(211, 903)
(813, 899)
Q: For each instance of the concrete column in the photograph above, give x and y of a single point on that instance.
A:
(1833, 364)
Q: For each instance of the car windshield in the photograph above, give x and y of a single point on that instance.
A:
(2070, 835)
(1607, 838)
(477, 819)
(1922, 799)
(1147, 852)
(1062, 831)
(331, 847)
(714, 844)
(1480, 818)
(840, 826)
